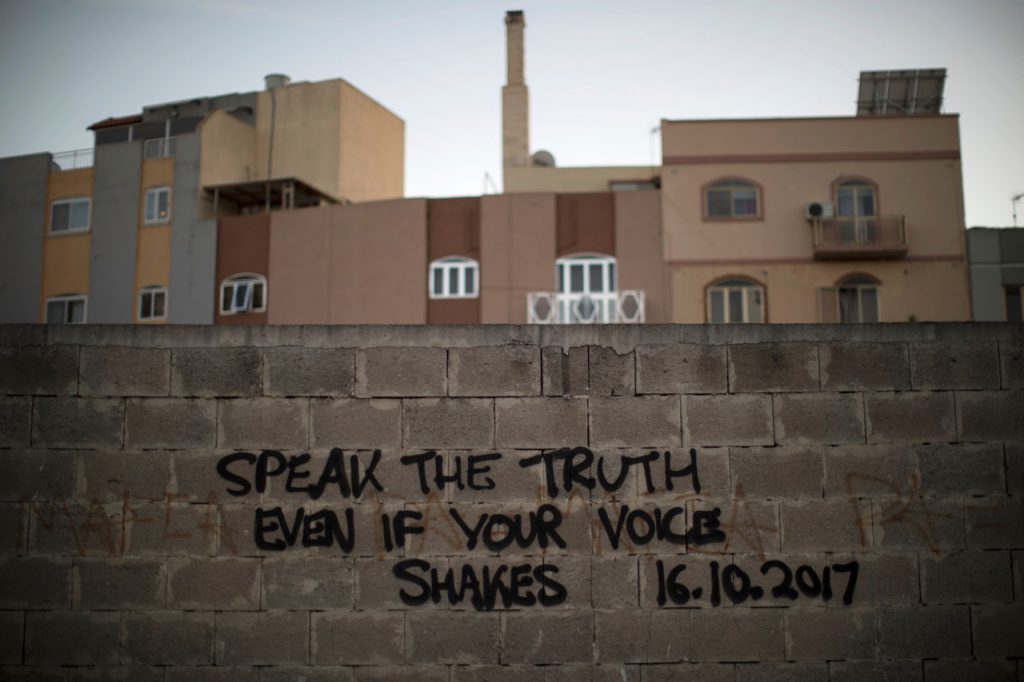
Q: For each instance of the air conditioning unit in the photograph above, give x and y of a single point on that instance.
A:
(816, 210)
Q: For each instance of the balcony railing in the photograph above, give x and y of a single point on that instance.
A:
(548, 307)
(73, 160)
(854, 237)
(158, 148)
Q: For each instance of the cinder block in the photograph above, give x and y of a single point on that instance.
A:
(360, 638)
(167, 638)
(855, 471)
(106, 584)
(778, 473)
(448, 423)
(819, 418)
(263, 423)
(308, 673)
(966, 577)
(924, 632)
(539, 637)
(857, 366)
(12, 635)
(377, 590)
(398, 673)
(616, 673)
(264, 638)
(171, 423)
(961, 469)
(451, 637)
(307, 583)
(401, 372)
(39, 370)
(947, 365)
(727, 420)
(998, 630)
(917, 417)
(697, 672)
(216, 372)
(14, 528)
(611, 374)
(565, 373)
(219, 673)
(35, 583)
(513, 673)
(1014, 469)
(995, 522)
(71, 637)
(15, 422)
(952, 670)
(36, 673)
(300, 371)
(1011, 361)
(921, 523)
(624, 636)
(867, 671)
(494, 371)
(513, 483)
(36, 475)
(221, 584)
(750, 526)
(782, 672)
(885, 579)
(831, 634)
(712, 470)
(120, 476)
(118, 371)
(986, 416)
(609, 574)
(353, 423)
(737, 635)
(648, 421)
(171, 528)
(59, 528)
(681, 368)
(195, 478)
(78, 423)
(773, 367)
(540, 422)
(821, 526)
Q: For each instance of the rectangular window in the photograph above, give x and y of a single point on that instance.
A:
(158, 205)
(70, 215)
(453, 277)
(153, 303)
(65, 310)
(1014, 312)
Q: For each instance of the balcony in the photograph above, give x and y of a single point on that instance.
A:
(548, 307)
(73, 160)
(850, 237)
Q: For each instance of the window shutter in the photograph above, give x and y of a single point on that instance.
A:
(828, 305)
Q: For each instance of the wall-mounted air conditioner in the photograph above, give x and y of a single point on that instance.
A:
(816, 210)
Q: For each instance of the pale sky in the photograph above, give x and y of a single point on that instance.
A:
(602, 74)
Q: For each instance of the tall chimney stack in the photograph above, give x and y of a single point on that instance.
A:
(515, 98)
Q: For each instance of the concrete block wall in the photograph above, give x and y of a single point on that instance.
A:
(493, 503)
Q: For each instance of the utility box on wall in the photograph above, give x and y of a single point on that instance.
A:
(498, 502)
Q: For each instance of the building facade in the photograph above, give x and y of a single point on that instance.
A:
(996, 257)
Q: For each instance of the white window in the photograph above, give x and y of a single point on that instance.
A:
(66, 309)
(454, 277)
(586, 288)
(153, 303)
(853, 299)
(735, 300)
(158, 205)
(243, 293)
(70, 215)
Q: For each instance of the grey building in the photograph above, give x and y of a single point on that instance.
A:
(996, 258)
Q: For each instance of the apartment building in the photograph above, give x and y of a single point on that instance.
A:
(996, 257)
(127, 231)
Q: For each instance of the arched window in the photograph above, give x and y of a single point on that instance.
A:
(735, 300)
(856, 198)
(243, 293)
(732, 198)
(586, 288)
(858, 299)
(69, 309)
(153, 303)
(454, 277)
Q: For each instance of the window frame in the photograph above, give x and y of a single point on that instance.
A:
(249, 278)
(859, 282)
(69, 201)
(736, 282)
(446, 265)
(67, 299)
(856, 181)
(152, 291)
(605, 300)
(156, 220)
(723, 183)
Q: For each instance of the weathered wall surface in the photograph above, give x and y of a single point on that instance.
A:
(495, 503)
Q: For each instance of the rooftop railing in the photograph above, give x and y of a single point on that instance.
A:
(548, 307)
(73, 160)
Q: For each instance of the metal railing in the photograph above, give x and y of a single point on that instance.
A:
(548, 307)
(158, 148)
(882, 236)
(73, 160)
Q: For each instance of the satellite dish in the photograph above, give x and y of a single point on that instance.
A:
(543, 158)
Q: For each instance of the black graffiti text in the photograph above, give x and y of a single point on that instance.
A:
(350, 481)
(515, 585)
